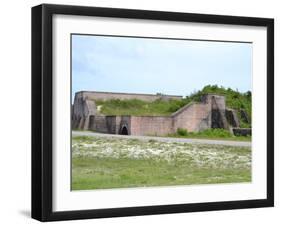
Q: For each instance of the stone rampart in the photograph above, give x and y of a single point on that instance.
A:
(124, 96)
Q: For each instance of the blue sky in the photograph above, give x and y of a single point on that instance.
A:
(143, 65)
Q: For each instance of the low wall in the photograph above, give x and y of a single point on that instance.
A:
(242, 131)
(124, 96)
(151, 125)
(108, 124)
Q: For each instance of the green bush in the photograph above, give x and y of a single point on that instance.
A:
(182, 132)
(138, 107)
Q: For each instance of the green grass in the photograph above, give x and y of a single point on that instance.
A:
(217, 134)
(122, 173)
(139, 107)
(99, 163)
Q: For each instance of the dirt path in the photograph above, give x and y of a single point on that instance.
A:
(166, 139)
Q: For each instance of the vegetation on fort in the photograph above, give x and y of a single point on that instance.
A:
(100, 162)
(234, 100)
(138, 107)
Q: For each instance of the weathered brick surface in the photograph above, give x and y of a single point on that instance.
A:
(125, 121)
(124, 96)
(232, 117)
(113, 124)
(98, 123)
(193, 117)
(151, 125)
(209, 113)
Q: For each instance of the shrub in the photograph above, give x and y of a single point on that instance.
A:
(182, 132)
(215, 133)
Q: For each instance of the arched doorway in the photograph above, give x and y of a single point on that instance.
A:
(124, 131)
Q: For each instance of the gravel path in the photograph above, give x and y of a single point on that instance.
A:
(166, 139)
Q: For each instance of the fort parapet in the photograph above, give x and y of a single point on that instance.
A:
(92, 95)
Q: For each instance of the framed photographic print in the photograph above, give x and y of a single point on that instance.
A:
(140, 112)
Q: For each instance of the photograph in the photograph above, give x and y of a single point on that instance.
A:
(140, 112)
(154, 111)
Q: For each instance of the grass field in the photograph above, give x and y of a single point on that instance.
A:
(99, 162)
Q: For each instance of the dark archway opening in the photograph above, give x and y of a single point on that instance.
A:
(124, 131)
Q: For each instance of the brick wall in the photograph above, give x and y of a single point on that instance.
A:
(151, 125)
(123, 96)
(98, 123)
(113, 124)
(193, 117)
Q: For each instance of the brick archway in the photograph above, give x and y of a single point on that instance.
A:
(124, 130)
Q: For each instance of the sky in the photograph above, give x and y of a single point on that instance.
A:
(145, 65)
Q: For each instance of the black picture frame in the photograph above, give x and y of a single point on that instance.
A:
(42, 111)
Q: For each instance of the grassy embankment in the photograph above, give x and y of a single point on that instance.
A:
(99, 163)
